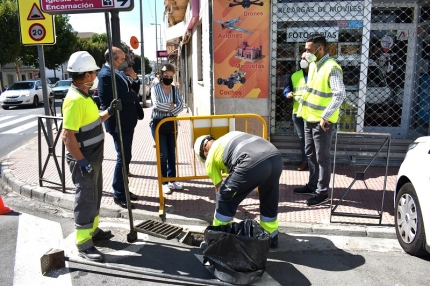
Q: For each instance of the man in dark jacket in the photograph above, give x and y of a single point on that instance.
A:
(126, 92)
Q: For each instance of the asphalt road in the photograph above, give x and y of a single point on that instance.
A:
(305, 259)
(18, 125)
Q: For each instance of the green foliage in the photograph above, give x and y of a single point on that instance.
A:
(137, 65)
(10, 39)
(96, 49)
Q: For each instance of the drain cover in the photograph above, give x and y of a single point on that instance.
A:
(158, 229)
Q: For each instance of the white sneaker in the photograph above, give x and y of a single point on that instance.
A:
(166, 190)
(174, 186)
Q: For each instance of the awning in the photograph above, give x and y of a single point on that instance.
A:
(175, 33)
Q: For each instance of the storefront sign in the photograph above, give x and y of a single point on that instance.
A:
(162, 54)
(320, 10)
(387, 42)
(241, 49)
(295, 35)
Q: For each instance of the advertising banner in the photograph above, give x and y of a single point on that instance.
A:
(241, 48)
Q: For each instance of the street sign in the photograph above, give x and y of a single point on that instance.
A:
(36, 27)
(85, 6)
(162, 54)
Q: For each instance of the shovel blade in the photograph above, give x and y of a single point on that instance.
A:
(51, 260)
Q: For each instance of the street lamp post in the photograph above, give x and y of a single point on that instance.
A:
(156, 44)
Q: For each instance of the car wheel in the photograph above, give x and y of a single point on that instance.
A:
(5, 107)
(35, 101)
(409, 222)
(220, 81)
(242, 80)
(230, 85)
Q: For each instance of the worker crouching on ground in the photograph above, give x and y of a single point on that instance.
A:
(251, 162)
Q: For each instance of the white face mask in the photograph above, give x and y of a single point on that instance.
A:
(310, 57)
(95, 84)
(304, 64)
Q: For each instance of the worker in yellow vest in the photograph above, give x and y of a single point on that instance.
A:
(295, 88)
(319, 108)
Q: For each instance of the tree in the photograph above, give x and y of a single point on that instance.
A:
(137, 65)
(10, 44)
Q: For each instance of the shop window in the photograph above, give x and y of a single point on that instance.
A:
(392, 15)
(199, 52)
(425, 14)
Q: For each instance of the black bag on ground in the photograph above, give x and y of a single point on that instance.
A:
(238, 251)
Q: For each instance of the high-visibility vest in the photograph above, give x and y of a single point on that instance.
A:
(299, 88)
(318, 95)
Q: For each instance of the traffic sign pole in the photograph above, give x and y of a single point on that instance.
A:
(45, 92)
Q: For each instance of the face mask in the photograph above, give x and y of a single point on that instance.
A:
(167, 81)
(310, 58)
(122, 66)
(304, 64)
(95, 84)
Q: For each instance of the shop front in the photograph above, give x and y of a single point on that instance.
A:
(384, 54)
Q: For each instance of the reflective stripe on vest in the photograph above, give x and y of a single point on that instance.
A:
(318, 96)
(299, 88)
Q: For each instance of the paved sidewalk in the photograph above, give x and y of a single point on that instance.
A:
(195, 204)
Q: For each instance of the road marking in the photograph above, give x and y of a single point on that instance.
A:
(21, 128)
(35, 237)
(12, 122)
(5, 117)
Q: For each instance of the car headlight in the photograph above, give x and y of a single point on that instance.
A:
(412, 146)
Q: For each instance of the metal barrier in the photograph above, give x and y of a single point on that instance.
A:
(216, 125)
(51, 152)
(360, 176)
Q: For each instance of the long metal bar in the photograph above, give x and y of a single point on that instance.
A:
(149, 273)
(142, 55)
(44, 89)
(132, 236)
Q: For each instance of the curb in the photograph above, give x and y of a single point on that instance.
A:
(9, 183)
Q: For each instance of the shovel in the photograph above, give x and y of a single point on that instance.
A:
(55, 259)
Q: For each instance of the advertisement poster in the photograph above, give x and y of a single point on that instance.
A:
(241, 48)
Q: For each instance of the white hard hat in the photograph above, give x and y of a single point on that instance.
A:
(81, 62)
(199, 144)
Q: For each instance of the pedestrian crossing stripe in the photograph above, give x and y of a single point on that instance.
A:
(5, 117)
(21, 128)
(12, 122)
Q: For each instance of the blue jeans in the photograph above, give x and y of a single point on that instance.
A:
(167, 153)
(299, 125)
(118, 179)
(317, 147)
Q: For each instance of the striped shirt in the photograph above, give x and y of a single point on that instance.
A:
(161, 102)
(337, 88)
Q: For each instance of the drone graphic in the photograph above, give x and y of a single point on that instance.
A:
(245, 3)
(230, 25)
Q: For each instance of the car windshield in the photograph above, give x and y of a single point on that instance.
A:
(63, 83)
(21, 85)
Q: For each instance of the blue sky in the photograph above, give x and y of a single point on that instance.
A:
(129, 24)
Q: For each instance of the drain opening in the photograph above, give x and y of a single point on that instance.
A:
(191, 238)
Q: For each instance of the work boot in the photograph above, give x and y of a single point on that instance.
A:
(274, 242)
(102, 234)
(304, 191)
(92, 254)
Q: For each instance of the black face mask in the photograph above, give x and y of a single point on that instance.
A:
(167, 81)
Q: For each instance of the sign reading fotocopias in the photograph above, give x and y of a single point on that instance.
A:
(295, 35)
(241, 46)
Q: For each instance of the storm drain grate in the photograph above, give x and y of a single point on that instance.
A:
(158, 229)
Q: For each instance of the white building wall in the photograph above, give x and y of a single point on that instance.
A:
(202, 89)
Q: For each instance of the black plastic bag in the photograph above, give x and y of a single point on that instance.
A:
(238, 251)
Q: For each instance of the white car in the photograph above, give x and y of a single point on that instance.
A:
(27, 92)
(412, 199)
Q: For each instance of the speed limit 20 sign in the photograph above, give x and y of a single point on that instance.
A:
(37, 28)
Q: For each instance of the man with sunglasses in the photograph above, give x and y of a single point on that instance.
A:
(319, 108)
(251, 162)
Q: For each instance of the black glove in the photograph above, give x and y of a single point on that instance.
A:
(114, 106)
(85, 167)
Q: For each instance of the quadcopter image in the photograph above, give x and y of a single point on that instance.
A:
(230, 25)
(237, 76)
(245, 3)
